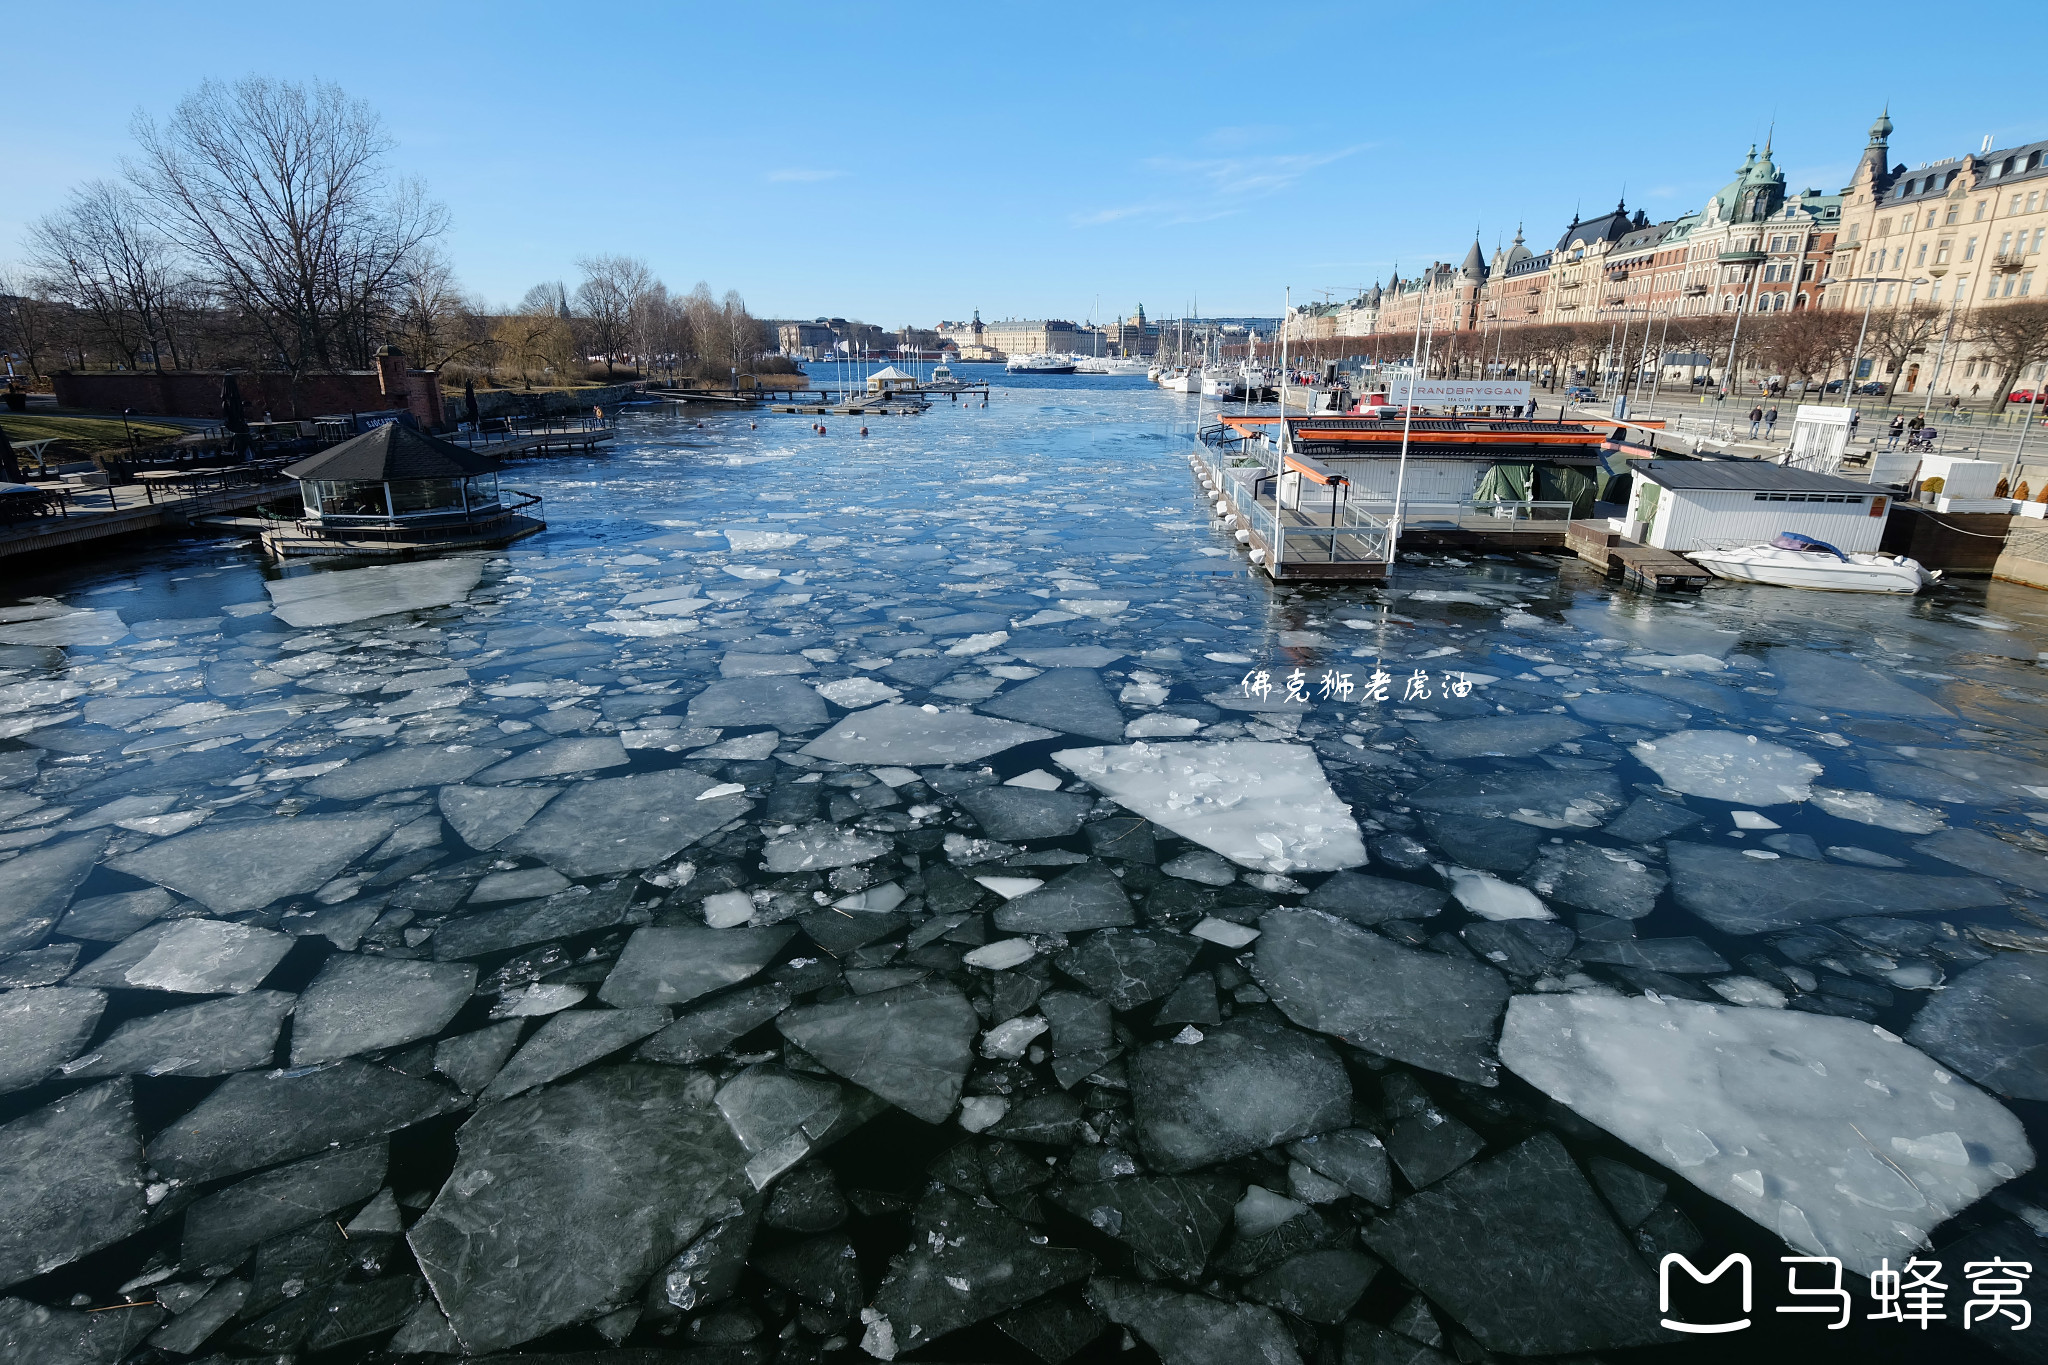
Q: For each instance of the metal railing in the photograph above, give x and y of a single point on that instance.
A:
(1338, 531)
(1494, 516)
(503, 430)
(423, 532)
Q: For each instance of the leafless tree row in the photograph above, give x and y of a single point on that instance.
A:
(259, 226)
(1810, 346)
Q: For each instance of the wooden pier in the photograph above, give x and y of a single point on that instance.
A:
(130, 509)
(557, 438)
(1638, 566)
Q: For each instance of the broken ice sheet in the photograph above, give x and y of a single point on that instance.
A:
(912, 1045)
(70, 1180)
(965, 1264)
(1832, 1134)
(244, 865)
(256, 1119)
(1738, 894)
(211, 1038)
(42, 1028)
(1605, 881)
(1428, 1009)
(36, 886)
(190, 956)
(1174, 1222)
(899, 733)
(570, 1041)
(1519, 1249)
(1727, 766)
(565, 1201)
(1069, 700)
(228, 1222)
(1194, 1329)
(1991, 1024)
(622, 824)
(361, 1004)
(1247, 1085)
(1264, 806)
(674, 965)
(337, 597)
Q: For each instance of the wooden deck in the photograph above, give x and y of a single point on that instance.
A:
(1639, 566)
(127, 510)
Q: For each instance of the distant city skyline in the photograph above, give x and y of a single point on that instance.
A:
(1074, 164)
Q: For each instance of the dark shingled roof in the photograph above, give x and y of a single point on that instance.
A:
(391, 453)
(1744, 476)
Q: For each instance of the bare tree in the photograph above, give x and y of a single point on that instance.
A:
(611, 292)
(1808, 342)
(103, 257)
(2012, 336)
(435, 323)
(1901, 333)
(278, 191)
(29, 324)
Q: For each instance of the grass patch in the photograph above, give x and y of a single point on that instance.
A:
(83, 434)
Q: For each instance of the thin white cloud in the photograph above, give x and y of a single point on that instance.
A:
(1215, 187)
(801, 175)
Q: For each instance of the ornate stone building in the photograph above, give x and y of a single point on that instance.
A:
(1963, 233)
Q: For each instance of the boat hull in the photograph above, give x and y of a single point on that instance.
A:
(1868, 573)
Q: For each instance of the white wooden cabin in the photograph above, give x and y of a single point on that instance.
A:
(1683, 505)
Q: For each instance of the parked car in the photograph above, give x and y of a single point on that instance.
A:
(1834, 386)
(1874, 386)
(2026, 396)
(1580, 393)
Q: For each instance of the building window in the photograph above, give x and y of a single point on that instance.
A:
(1884, 227)
(1970, 250)
(1854, 228)
(1921, 259)
(2033, 197)
(1982, 204)
(2005, 242)
(2015, 205)
(2026, 283)
(2038, 234)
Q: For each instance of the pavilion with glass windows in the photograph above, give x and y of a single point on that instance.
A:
(395, 489)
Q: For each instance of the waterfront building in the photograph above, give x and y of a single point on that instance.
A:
(1962, 233)
(1045, 336)
(808, 340)
(1132, 336)
(394, 490)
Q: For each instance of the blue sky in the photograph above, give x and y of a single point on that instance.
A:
(910, 163)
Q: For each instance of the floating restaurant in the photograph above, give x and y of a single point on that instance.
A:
(1315, 496)
(396, 490)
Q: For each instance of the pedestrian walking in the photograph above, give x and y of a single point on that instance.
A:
(1756, 417)
(1898, 429)
(1770, 422)
(1855, 420)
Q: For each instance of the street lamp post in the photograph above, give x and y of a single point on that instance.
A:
(1856, 360)
(1942, 354)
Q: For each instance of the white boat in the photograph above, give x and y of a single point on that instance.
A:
(1107, 364)
(1828, 570)
(1040, 364)
(1181, 381)
(1219, 382)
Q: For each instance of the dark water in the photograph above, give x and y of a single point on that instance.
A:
(305, 793)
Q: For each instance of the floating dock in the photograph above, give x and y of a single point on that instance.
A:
(1639, 566)
(131, 509)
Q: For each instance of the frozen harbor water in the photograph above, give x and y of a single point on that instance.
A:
(849, 898)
